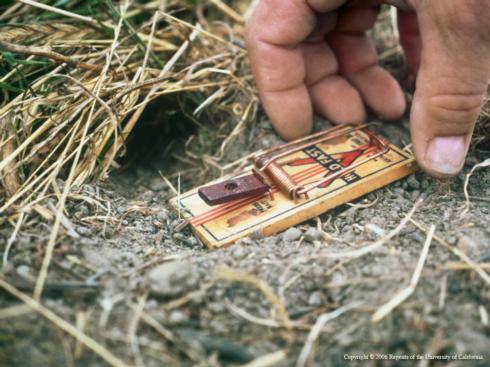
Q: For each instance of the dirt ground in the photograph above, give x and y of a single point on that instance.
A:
(157, 297)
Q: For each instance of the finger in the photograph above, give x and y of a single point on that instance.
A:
(451, 84)
(280, 73)
(358, 62)
(410, 39)
(356, 19)
(319, 60)
(325, 23)
(336, 99)
(332, 95)
(273, 34)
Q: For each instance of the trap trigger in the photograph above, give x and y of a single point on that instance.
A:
(233, 189)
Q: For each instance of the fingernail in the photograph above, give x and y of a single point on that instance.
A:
(446, 154)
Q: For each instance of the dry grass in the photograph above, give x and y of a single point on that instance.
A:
(76, 84)
(77, 80)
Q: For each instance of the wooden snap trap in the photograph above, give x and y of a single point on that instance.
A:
(293, 182)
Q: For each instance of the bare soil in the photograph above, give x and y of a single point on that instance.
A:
(123, 256)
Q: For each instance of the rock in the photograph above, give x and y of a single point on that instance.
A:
(256, 236)
(270, 241)
(157, 184)
(89, 189)
(162, 215)
(316, 299)
(471, 161)
(349, 215)
(415, 195)
(398, 191)
(211, 344)
(239, 252)
(191, 241)
(218, 326)
(245, 241)
(371, 196)
(179, 236)
(469, 246)
(147, 195)
(83, 211)
(485, 257)
(312, 234)
(412, 182)
(471, 342)
(216, 308)
(176, 223)
(292, 234)
(265, 124)
(173, 278)
(177, 317)
(24, 271)
(84, 231)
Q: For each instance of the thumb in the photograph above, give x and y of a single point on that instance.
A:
(451, 83)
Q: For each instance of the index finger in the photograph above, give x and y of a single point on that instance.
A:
(273, 35)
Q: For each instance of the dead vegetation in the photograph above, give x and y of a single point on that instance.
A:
(76, 81)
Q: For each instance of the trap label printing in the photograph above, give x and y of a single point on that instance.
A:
(221, 225)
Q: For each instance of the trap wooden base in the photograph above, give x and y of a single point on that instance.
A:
(221, 225)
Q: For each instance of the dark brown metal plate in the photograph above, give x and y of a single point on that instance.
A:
(233, 189)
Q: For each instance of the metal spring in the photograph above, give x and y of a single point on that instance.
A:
(283, 180)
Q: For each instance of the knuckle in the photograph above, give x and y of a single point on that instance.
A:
(457, 112)
(460, 16)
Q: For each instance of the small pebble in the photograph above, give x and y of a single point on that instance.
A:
(24, 271)
(399, 191)
(89, 189)
(471, 161)
(147, 195)
(157, 184)
(84, 231)
(270, 241)
(485, 257)
(415, 195)
(177, 317)
(162, 215)
(239, 252)
(413, 183)
(256, 235)
(312, 234)
(216, 307)
(292, 234)
(173, 278)
(316, 299)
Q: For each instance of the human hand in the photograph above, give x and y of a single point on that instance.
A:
(315, 55)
